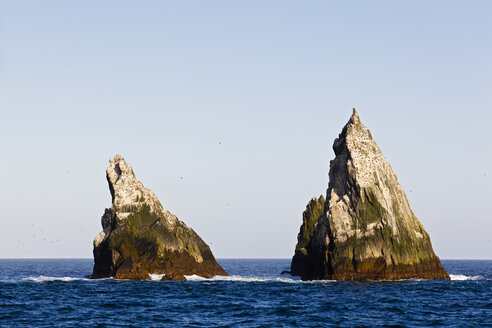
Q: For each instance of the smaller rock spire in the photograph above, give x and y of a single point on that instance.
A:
(141, 238)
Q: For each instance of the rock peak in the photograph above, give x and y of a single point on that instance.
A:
(118, 168)
(120, 173)
(116, 158)
(354, 119)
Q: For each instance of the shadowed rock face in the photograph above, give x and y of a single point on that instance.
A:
(365, 229)
(140, 238)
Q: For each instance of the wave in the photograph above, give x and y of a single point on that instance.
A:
(48, 278)
(240, 278)
(234, 278)
(454, 277)
(460, 277)
(155, 276)
(252, 279)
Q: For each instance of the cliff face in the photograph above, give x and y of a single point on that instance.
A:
(140, 237)
(366, 230)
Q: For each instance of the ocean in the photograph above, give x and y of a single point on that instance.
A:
(56, 293)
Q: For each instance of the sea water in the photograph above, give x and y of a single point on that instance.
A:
(56, 293)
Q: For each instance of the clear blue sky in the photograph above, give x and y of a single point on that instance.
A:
(162, 83)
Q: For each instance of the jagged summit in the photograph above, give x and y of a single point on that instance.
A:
(354, 119)
(140, 237)
(128, 193)
(367, 230)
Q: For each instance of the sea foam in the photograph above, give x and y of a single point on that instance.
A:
(158, 277)
(155, 276)
(242, 279)
(251, 279)
(463, 277)
(47, 278)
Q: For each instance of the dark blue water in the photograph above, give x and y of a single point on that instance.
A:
(54, 293)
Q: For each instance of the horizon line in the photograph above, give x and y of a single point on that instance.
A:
(219, 258)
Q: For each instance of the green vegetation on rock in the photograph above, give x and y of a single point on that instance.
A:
(310, 216)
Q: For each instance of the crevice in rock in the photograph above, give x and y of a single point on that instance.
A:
(117, 169)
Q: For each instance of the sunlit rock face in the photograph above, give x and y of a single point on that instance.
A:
(140, 237)
(365, 229)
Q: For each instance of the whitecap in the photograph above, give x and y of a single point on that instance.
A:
(47, 278)
(155, 276)
(251, 279)
(464, 277)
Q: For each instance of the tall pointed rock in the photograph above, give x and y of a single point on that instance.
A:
(366, 230)
(140, 237)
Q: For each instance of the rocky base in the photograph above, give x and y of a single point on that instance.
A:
(176, 277)
(369, 270)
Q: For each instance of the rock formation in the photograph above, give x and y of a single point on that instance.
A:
(365, 229)
(140, 238)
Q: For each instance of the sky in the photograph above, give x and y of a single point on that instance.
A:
(242, 99)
